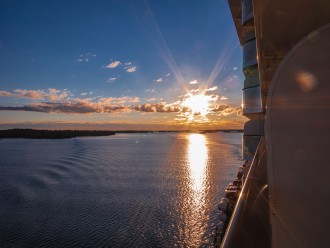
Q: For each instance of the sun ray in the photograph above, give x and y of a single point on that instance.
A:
(156, 37)
(223, 58)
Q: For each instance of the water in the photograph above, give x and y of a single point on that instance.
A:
(127, 190)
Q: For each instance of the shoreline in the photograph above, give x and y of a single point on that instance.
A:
(67, 134)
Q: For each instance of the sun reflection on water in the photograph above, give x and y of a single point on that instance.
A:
(195, 201)
(197, 158)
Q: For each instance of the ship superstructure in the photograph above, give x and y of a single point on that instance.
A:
(285, 198)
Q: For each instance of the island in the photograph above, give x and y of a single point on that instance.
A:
(51, 134)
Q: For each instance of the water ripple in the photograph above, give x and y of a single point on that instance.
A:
(123, 191)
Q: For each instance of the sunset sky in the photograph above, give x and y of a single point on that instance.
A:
(120, 64)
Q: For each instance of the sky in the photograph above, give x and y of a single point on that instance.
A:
(119, 64)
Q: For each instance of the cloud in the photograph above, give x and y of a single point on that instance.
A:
(194, 90)
(235, 68)
(85, 57)
(51, 94)
(159, 80)
(111, 79)
(225, 110)
(151, 90)
(168, 74)
(116, 109)
(113, 64)
(56, 96)
(7, 93)
(158, 107)
(127, 66)
(131, 69)
(51, 107)
(60, 96)
(62, 101)
(33, 94)
(220, 108)
(86, 107)
(223, 98)
(53, 91)
(118, 105)
(79, 107)
(193, 82)
(212, 88)
(118, 100)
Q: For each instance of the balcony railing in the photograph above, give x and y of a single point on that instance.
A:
(249, 225)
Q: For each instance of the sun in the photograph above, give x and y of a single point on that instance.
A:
(199, 104)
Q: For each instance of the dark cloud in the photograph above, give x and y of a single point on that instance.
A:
(68, 108)
(116, 109)
(225, 109)
(158, 107)
(220, 108)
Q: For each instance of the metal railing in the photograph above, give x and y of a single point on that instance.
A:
(249, 225)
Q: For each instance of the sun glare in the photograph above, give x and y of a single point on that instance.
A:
(198, 104)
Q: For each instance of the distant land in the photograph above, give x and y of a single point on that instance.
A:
(50, 134)
(66, 134)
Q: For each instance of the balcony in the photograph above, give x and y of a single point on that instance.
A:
(247, 33)
(250, 144)
(251, 78)
(247, 13)
(252, 103)
(249, 54)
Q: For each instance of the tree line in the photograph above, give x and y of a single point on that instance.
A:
(50, 134)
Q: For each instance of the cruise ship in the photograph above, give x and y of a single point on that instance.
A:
(285, 197)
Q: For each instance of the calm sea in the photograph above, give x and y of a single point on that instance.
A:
(126, 190)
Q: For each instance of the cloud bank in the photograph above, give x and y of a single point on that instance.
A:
(61, 101)
(158, 107)
(86, 107)
(79, 107)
